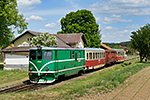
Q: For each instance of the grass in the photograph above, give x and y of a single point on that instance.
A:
(104, 81)
(12, 75)
(1, 61)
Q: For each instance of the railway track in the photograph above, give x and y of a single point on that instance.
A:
(23, 87)
(131, 58)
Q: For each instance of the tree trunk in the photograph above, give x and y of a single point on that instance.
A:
(141, 58)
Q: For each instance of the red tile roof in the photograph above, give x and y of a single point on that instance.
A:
(105, 46)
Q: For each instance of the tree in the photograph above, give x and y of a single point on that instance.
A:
(140, 40)
(82, 21)
(44, 40)
(10, 19)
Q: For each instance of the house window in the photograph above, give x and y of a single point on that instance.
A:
(29, 39)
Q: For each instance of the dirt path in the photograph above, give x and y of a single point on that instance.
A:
(137, 87)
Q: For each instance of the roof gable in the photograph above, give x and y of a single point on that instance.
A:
(28, 31)
(71, 38)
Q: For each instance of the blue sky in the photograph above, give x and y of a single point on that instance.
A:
(116, 18)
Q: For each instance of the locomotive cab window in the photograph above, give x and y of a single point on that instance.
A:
(33, 55)
(39, 55)
(47, 55)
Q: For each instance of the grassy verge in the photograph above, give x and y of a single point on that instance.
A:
(11, 75)
(100, 81)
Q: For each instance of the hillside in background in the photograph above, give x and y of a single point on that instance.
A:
(117, 45)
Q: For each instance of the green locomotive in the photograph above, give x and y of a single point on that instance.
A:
(48, 64)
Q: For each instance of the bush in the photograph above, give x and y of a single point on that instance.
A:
(1, 67)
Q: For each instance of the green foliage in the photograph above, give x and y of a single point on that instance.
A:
(10, 19)
(44, 40)
(1, 66)
(82, 21)
(140, 40)
(117, 45)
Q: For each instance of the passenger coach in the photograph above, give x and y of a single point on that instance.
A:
(94, 58)
(48, 64)
(120, 55)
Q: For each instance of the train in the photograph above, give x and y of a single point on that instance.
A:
(48, 64)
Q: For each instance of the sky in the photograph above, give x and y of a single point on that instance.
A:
(116, 18)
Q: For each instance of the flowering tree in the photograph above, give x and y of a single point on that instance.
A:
(44, 40)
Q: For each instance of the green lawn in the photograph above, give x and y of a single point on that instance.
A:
(12, 75)
(104, 80)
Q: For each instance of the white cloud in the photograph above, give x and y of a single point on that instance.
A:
(35, 18)
(115, 18)
(111, 28)
(51, 25)
(72, 2)
(123, 7)
(147, 19)
(28, 4)
(133, 26)
(118, 36)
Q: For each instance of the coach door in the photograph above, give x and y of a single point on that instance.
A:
(56, 61)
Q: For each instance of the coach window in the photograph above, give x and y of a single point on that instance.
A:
(104, 55)
(118, 53)
(87, 56)
(100, 55)
(73, 54)
(94, 55)
(90, 54)
(47, 55)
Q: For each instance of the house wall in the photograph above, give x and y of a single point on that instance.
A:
(17, 60)
(80, 44)
(23, 40)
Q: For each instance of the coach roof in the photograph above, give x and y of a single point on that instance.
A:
(93, 49)
(56, 48)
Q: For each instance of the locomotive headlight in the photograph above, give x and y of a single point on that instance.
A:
(31, 69)
(47, 68)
